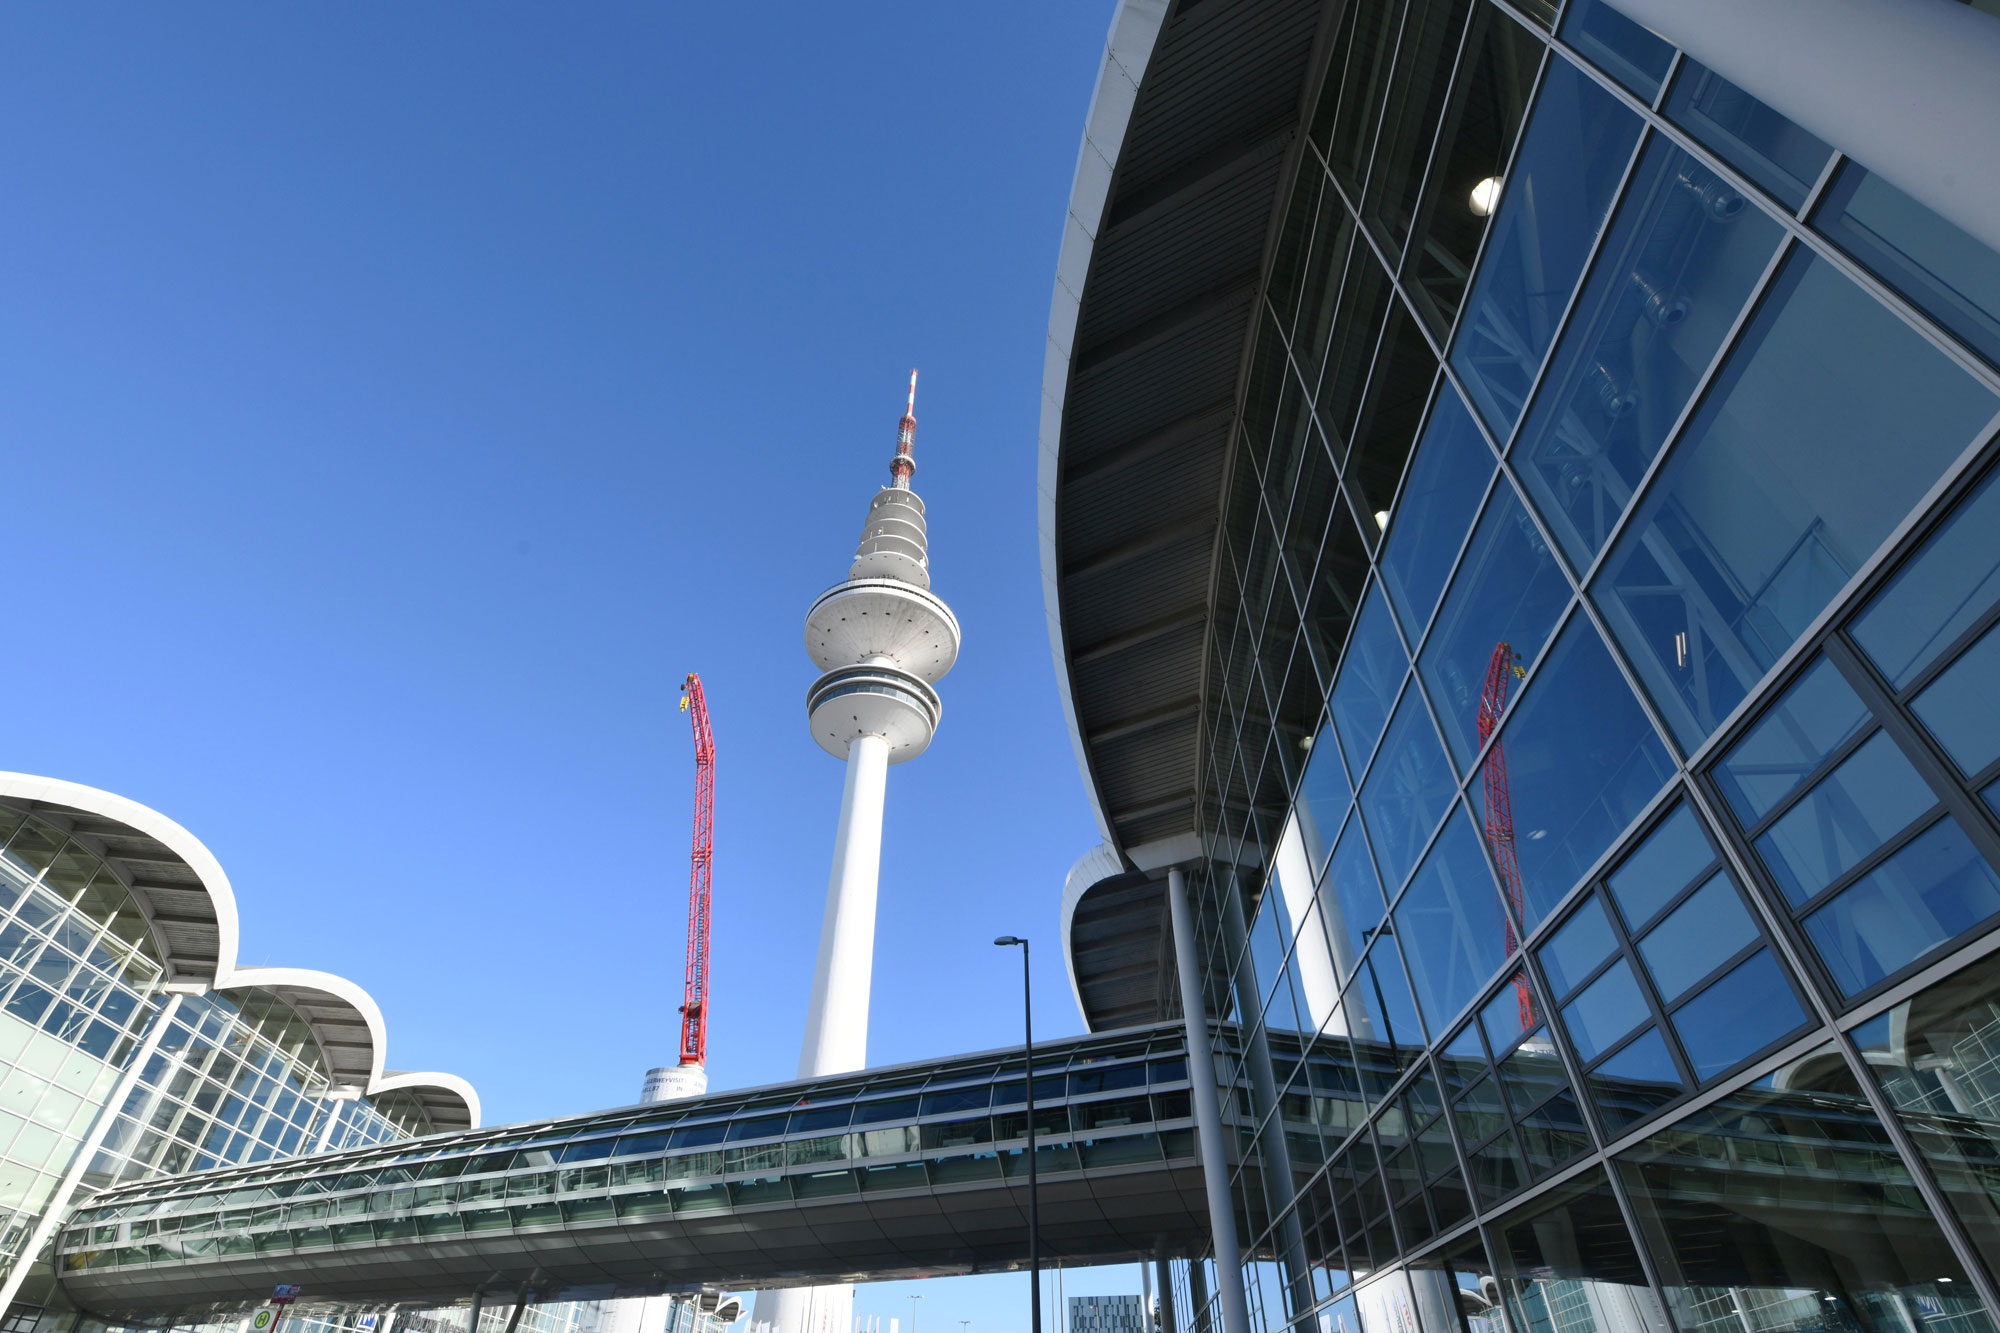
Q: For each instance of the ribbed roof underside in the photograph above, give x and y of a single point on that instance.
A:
(167, 889)
(1165, 314)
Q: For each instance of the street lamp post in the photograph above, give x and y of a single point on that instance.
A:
(913, 1313)
(1028, 1088)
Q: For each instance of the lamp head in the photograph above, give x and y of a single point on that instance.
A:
(1007, 940)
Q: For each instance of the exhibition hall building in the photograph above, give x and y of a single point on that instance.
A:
(1521, 557)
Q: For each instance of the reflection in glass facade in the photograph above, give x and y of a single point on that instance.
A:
(1629, 898)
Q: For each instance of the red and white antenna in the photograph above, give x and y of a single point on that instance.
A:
(904, 463)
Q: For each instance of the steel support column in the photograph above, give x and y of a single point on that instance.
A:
(1207, 1110)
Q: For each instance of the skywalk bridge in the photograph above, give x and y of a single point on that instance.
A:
(905, 1171)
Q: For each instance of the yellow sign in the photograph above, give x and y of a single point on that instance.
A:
(262, 1321)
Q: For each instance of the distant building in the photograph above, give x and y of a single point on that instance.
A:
(1107, 1314)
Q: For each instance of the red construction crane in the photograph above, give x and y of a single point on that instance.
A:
(1501, 672)
(694, 1001)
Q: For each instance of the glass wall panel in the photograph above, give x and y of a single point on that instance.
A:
(1351, 353)
(1436, 506)
(1682, 257)
(1940, 594)
(1370, 44)
(1815, 717)
(1936, 1057)
(1455, 1290)
(1506, 596)
(1357, 906)
(1580, 761)
(1562, 185)
(1399, 386)
(1786, 1207)
(1960, 709)
(1955, 278)
(1324, 794)
(1450, 923)
(1407, 789)
(1618, 46)
(1775, 495)
(1489, 100)
(1742, 131)
(1568, 1265)
(1424, 63)
(1935, 887)
(1370, 675)
(1326, 275)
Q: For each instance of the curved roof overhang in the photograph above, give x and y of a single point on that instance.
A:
(190, 909)
(1194, 130)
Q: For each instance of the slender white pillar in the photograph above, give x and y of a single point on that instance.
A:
(1207, 1111)
(837, 1023)
(1907, 88)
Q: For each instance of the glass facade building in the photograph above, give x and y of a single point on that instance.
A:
(1591, 747)
(122, 1059)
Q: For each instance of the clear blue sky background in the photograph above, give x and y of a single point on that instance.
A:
(398, 400)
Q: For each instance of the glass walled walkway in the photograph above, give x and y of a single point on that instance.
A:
(904, 1171)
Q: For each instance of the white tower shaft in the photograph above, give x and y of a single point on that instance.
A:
(837, 1021)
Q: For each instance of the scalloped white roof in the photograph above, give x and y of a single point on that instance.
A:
(186, 897)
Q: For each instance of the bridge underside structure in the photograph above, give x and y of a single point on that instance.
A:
(906, 1171)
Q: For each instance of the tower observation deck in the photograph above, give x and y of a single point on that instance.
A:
(881, 640)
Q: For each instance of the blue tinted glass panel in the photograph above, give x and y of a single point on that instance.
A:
(1812, 721)
(1581, 762)
(1682, 257)
(1324, 793)
(1664, 864)
(1870, 798)
(1356, 895)
(1935, 888)
(1711, 926)
(1565, 177)
(1952, 276)
(1738, 1016)
(1617, 45)
(1509, 591)
(1508, 1016)
(1961, 707)
(1370, 675)
(1453, 933)
(1434, 510)
(1389, 997)
(1746, 134)
(1776, 493)
(1608, 1009)
(1951, 581)
(1407, 790)
(1634, 1083)
(1584, 941)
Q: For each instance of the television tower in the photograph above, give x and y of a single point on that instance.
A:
(881, 639)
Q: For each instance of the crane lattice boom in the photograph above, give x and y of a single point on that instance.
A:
(694, 1001)
(1501, 672)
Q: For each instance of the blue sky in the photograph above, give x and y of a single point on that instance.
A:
(398, 400)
